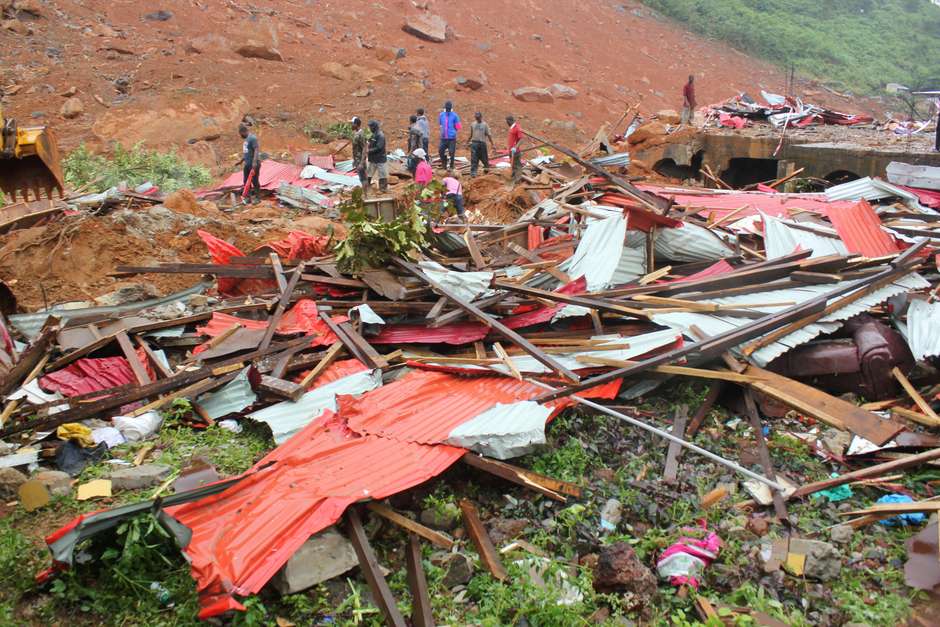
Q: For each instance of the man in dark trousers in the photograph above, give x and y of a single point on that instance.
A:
(688, 101)
(415, 137)
(514, 140)
(378, 158)
(425, 127)
(449, 122)
(359, 151)
(479, 135)
(251, 158)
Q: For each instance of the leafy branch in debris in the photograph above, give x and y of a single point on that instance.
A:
(132, 167)
(371, 242)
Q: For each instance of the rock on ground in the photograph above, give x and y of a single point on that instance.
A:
(142, 476)
(502, 530)
(668, 116)
(823, 561)
(841, 534)
(427, 26)
(72, 108)
(618, 569)
(253, 50)
(646, 132)
(444, 518)
(125, 293)
(10, 481)
(324, 556)
(563, 92)
(533, 94)
(468, 82)
(459, 570)
(57, 482)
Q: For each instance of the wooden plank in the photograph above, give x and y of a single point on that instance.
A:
(497, 326)
(474, 249)
(613, 307)
(507, 361)
(155, 361)
(283, 359)
(278, 272)
(281, 388)
(354, 336)
(437, 308)
(763, 453)
(331, 354)
(338, 282)
(421, 615)
(457, 314)
(531, 256)
(219, 270)
(824, 407)
(867, 473)
(192, 390)
(281, 307)
(381, 593)
(914, 416)
(354, 349)
(139, 370)
(714, 391)
(78, 353)
(481, 540)
(434, 537)
(37, 351)
(12, 405)
(552, 488)
(915, 395)
(683, 371)
(671, 470)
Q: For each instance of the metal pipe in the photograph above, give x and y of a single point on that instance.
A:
(665, 434)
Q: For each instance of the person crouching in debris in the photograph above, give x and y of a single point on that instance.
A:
(514, 141)
(251, 171)
(359, 151)
(378, 166)
(422, 172)
(479, 135)
(453, 193)
(450, 123)
(688, 101)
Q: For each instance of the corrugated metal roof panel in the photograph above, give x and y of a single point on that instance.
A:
(504, 431)
(689, 242)
(598, 253)
(616, 159)
(713, 325)
(287, 418)
(720, 202)
(780, 239)
(467, 285)
(232, 397)
(456, 333)
(923, 329)
(860, 228)
(868, 189)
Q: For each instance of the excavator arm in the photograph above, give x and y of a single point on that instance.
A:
(29, 161)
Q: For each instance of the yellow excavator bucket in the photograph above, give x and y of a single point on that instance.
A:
(29, 162)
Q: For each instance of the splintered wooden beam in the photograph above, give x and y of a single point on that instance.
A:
(474, 249)
(915, 395)
(481, 540)
(671, 470)
(763, 453)
(138, 368)
(37, 352)
(381, 593)
(534, 258)
(278, 272)
(331, 353)
(607, 306)
(682, 371)
(281, 307)
(457, 314)
(552, 488)
(421, 615)
(155, 361)
(713, 392)
(866, 473)
(78, 353)
(434, 537)
(281, 388)
(493, 323)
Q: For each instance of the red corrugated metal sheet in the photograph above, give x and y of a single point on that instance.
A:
(927, 197)
(242, 536)
(777, 205)
(529, 316)
(272, 175)
(638, 219)
(89, 375)
(334, 372)
(456, 333)
(301, 318)
(719, 267)
(299, 246)
(859, 227)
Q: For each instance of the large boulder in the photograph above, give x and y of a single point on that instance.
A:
(72, 108)
(647, 132)
(255, 50)
(427, 26)
(668, 116)
(533, 94)
(563, 92)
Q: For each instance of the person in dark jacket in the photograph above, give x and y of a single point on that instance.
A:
(359, 151)
(378, 158)
(425, 127)
(251, 158)
(415, 137)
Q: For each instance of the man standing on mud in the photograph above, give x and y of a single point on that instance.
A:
(514, 141)
(479, 135)
(688, 101)
(251, 158)
(425, 127)
(450, 124)
(378, 157)
(359, 151)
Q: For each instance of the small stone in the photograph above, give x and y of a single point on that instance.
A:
(618, 569)
(841, 534)
(10, 481)
(16, 26)
(71, 91)
(72, 108)
(142, 476)
(323, 556)
(259, 51)
(159, 16)
(459, 570)
(823, 561)
(427, 26)
(610, 515)
(444, 518)
(103, 30)
(502, 530)
(472, 84)
(758, 525)
(533, 94)
(57, 482)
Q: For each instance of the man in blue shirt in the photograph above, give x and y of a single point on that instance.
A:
(251, 158)
(450, 124)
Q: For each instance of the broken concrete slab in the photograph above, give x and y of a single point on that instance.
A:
(841, 534)
(324, 556)
(57, 482)
(142, 476)
(533, 94)
(427, 26)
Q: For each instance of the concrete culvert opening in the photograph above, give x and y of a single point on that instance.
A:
(669, 168)
(746, 171)
(842, 176)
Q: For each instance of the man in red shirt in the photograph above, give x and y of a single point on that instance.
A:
(688, 101)
(515, 138)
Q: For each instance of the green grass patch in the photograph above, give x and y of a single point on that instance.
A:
(133, 166)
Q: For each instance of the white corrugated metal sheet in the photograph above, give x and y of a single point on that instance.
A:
(780, 240)
(922, 176)
(714, 324)
(688, 243)
(632, 265)
(870, 189)
(616, 159)
(287, 418)
(466, 285)
(598, 253)
(504, 431)
(923, 329)
(231, 398)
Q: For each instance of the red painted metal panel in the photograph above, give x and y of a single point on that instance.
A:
(89, 375)
(859, 227)
(456, 333)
